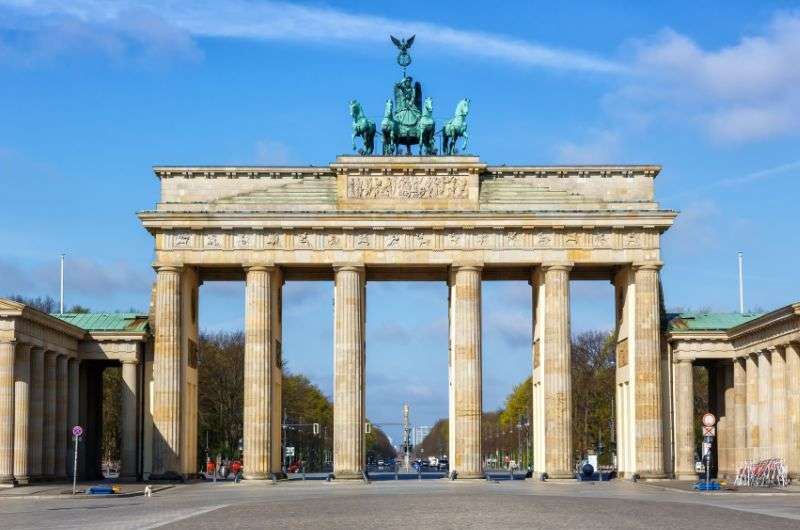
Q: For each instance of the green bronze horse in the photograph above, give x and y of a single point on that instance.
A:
(363, 127)
(426, 129)
(388, 129)
(456, 128)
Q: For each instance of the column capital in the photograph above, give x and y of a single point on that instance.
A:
(167, 268)
(129, 361)
(557, 266)
(351, 267)
(471, 266)
(682, 360)
(259, 268)
(647, 265)
(8, 341)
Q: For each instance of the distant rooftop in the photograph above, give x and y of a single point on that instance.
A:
(707, 321)
(130, 322)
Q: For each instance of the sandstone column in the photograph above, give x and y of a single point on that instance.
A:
(49, 429)
(36, 421)
(130, 438)
(556, 371)
(765, 404)
(792, 352)
(649, 450)
(725, 424)
(7, 349)
(22, 379)
(740, 412)
(753, 438)
(684, 421)
(258, 357)
(348, 372)
(62, 397)
(467, 461)
(779, 419)
(73, 408)
(167, 374)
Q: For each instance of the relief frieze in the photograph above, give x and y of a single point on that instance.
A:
(449, 239)
(407, 187)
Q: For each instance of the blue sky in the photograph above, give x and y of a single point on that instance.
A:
(92, 94)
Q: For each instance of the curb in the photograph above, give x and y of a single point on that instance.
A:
(77, 496)
(721, 492)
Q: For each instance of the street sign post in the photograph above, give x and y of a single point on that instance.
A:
(77, 431)
(709, 432)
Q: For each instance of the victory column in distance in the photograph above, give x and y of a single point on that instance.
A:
(407, 119)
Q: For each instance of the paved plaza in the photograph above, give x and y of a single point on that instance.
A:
(411, 504)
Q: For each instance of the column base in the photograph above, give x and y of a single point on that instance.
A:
(347, 475)
(469, 476)
(559, 475)
(686, 476)
(23, 480)
(8, 482)
(128, 478)
(652, 476)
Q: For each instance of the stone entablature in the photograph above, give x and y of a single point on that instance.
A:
(771, 330)
(377, 183)
(23, 324)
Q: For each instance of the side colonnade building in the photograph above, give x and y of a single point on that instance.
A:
(753, 363)
(51, 370)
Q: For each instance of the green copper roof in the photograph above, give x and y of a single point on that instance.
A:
(707, 321)
(106, 321)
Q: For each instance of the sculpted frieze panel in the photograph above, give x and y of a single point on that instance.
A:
(243, 240)
(414, 239)
(407, 187)
(392, 241)
(213, 241)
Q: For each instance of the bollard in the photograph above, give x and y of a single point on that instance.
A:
(419, 473)
(510, 474)
(304, 472)
(396, 472)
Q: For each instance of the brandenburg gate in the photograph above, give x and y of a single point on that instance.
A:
(446, 218)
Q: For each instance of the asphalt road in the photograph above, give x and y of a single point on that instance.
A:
(410, 504)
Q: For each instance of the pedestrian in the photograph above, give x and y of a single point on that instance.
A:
(236, 469)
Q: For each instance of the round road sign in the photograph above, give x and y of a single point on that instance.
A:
(709, 420)
(77, 430)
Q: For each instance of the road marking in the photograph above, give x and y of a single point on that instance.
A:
(174, 517)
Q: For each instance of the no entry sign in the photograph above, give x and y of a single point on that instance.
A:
(709, 420)
(77, 430)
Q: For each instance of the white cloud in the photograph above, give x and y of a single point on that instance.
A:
(285, 21)
(86, 281)
(742, 92)
(271, 152)
(601, 146)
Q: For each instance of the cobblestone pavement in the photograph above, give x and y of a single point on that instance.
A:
(404, 504)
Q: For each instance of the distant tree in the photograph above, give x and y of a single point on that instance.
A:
(436, 443)
(593, 388)
(77, 308)
(220, 391)
(519, 404)
(221, 406)
(45, 304)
